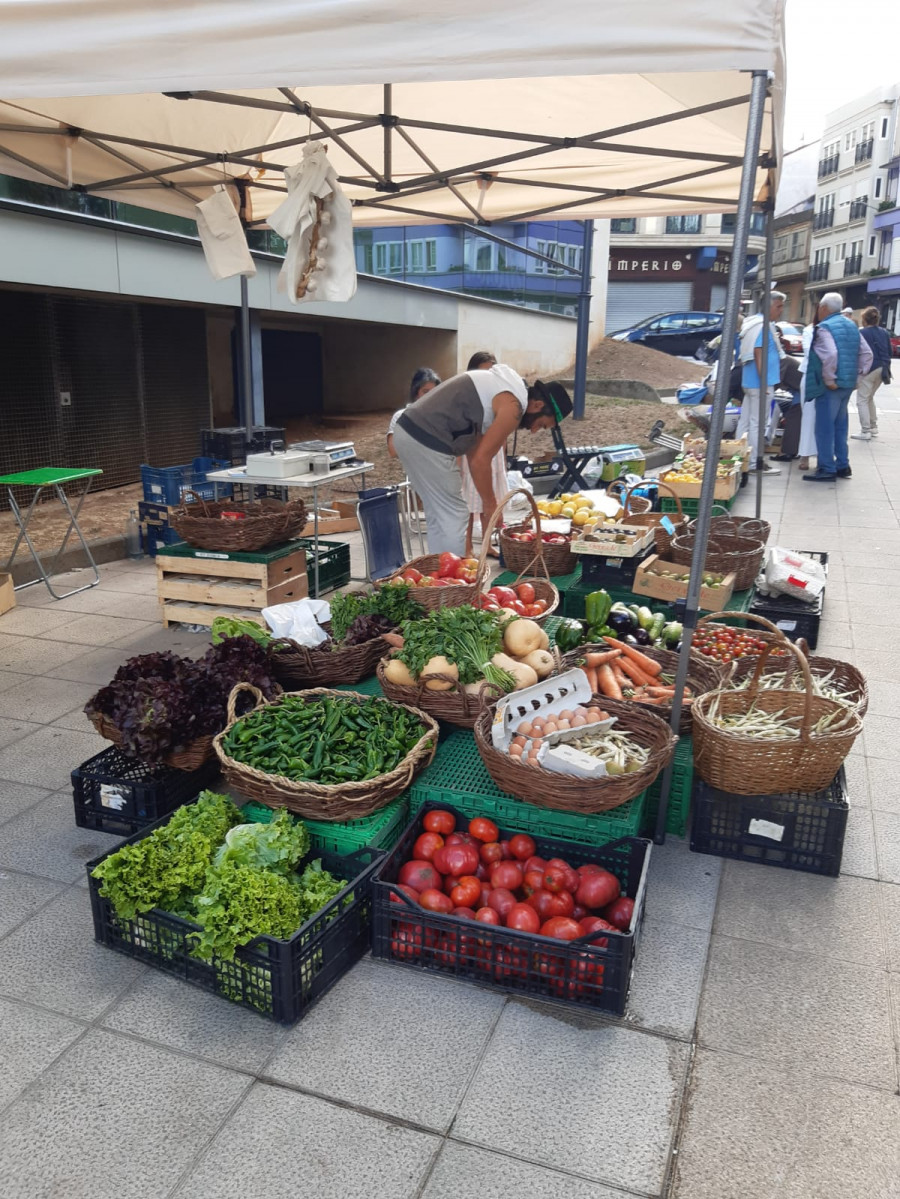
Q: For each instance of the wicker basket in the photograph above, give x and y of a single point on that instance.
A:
(736, 526)
(768, 633)
(297, 666)
(265, 522)
(347, 801)
(702, 676)
(565, 793)
(455, 706)
(188, 757)
(747, 765)
(433, 597)
(524, 555)
(741, 555)
(544, 588)
(844, 676)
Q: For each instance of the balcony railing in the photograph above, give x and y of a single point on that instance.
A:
(824, 219)
(858, 209)
(818, 272)
(828, 166)
(864, 150)
(852, 266)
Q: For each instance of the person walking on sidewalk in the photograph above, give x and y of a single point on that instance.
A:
(866, 385)
(837, 356)
(751, 357)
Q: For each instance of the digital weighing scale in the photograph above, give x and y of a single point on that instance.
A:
(337, 452)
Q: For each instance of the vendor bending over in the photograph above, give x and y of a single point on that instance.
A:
(471, 414)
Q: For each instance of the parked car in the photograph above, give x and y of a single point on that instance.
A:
(895, 344)
(791, 337)
(681, 333)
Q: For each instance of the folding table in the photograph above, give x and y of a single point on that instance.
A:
(54, 477)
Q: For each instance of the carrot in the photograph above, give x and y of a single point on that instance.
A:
(619, 675)
(608, 685)
(602, 659)
(634, 672)
(647, 665)
(592, 679)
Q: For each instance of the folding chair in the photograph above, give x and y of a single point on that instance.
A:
(387, 541)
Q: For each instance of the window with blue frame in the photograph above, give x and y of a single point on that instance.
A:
(683, 224)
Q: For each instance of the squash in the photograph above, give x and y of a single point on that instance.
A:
(396, 672)
(541, 662)
(439, 665)
(521, 637)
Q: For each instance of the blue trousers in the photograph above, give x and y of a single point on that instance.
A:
(832, 451)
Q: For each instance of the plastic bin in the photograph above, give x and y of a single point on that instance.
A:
(334, 564)
(280, 979)
(231, 444)
(458, 777)
(679, 793)
(796, 830)
(580, 975)
(167, 484)
(690, 507)
(378, 831)
(615, 573)
(795, 618)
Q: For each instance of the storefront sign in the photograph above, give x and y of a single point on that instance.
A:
(655, 264)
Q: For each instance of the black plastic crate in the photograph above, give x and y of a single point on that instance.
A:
(280, 979)
(795, 618)
(232, 443)
(597, 571)
(796, 830)
(576, 973)
(116, 794)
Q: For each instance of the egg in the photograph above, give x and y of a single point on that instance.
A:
(594, 714)
(563, 724)
(524, 728)
(537, 723)
(532, 759)
(550, 727)
(520, 741)
(536, 743)
(579, 721)
(565, 714)
(515, 751)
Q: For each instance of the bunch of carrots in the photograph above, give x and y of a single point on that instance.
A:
(623, 672)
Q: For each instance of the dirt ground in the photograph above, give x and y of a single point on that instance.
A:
(607, 422)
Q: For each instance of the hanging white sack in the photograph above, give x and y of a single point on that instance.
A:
(222, 237)
(317, 222)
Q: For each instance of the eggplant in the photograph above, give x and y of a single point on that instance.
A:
(642, 637)
(630, 639)
(622, 622)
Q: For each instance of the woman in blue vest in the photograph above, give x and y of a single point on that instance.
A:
(838, 355)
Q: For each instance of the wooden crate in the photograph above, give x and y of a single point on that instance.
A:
(713, 599)
(197, 589)
(601, 542)
(7, 592)
(338, 518)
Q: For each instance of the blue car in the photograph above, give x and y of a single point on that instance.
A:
(681, 333)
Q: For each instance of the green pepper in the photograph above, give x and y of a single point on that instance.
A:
(596, 608)
(569, 635)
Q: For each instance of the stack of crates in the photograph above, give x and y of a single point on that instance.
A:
(167, 487)
(232, 445)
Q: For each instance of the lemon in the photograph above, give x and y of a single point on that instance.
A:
(581, 517)
(582, 502)
(568, 511)
(554, 508)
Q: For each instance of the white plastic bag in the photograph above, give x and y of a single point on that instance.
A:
(518, 509)
(300, 620)
(790, 573)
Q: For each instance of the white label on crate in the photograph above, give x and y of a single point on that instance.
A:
(210, 554)
(786, 626)
(766, 828)
(113, 795)
(614, 563)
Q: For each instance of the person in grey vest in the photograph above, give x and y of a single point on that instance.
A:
(837, 356)
(470, 415)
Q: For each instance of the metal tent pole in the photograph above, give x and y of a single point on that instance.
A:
(584, 321)
(765, 304)
(755, 117)
(246, 364)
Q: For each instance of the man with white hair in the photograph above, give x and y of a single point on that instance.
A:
(751, 359)
(836, 357)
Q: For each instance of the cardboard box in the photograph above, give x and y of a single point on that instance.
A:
(338, 518)
(726, 488)
(7, 592)
(713, 599)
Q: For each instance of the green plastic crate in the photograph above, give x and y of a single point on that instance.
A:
(369, 686)
(691, 507)
(334, 564)
(379, 831)
(183, 550)
(679, 793)
(458, 776)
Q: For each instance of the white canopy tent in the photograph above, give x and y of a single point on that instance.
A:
(460, 110)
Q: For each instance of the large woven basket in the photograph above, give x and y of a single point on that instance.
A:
(524, 556)
(297, 666)
(741, 555)
(348, 801)
(843, 676)
(566, 793)
(736, 526)
(702, 676)
(632, 505)
(768, 633)
(455, 706)
(264, 522)
(750, 765)
(186, 757)
(544, 588)
(430, 598)
(654, 520)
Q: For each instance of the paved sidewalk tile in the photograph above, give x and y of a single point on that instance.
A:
(31, 1040)
(283, 1145)
(884, 785)
(16, 798)
(34, 655)
(887, 845)
(43, 699)
(755, 1131)
(810, 1013)
(857, 781)
(21, 896)
(882, 736)
(47, 757)
(382, 1023)
(113, 1117)
(462, 1172)
(45, 841)
(94, 666)
(32, 622)
(668, 974)
(889, 895)
(539, 1058)
(682, 886)
(96, 630)
(859, 845)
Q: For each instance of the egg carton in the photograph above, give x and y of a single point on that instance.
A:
(546, 699)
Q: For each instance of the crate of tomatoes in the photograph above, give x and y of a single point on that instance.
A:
(531, 915)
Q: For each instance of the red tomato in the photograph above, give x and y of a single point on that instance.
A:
(461, 838)
(411, 575)
(563, 928)
(579, 912)
(505, 851)
(487, 916)
(534, 863)
(554, 879)
(488, 603)
(447, 565)
(590, 868)
(525, 593)
(485, 895)
(541, 606)
(503, 595)
(482, 872)
(571, 876)
(439, 822)
(483, 829)
(491, 852)
(433, 900)
(547, 905)
(620, 912)
(419, 875)
(597, 890)
(465, 913)
(411, 892)
(460, 860)
(594, 924)
(502, 901)
(523, 917)
(470, 563)
(467, 893)
(426, 581)
(426, 846)
(521, 846)
(562, 904)
(506, 874)
(516, 606)
(468, 576)
(532, 610)
(534, 881)
(406, 941)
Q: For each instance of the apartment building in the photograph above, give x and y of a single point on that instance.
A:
(848, 244)
(792, 233)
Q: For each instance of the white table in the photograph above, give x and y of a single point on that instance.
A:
(305, 482)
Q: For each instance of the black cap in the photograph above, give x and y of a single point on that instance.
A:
(556, 398)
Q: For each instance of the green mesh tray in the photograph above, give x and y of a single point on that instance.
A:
(378, 831)
(458, 776)
(369, 686)
(679, 793)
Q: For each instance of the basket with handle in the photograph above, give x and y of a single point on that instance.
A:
(741, 556)
(523, 555)
(831, 672)
(661, 534)
(261, 523)
(297, 666)
(315, 801)
(567, 793)
(452, 596)
(544, 588)
(736, 526)
(748, 763)
(768, 634)
(185, 757)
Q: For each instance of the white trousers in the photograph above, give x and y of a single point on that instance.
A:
(866, 387)
(436, 479)
(748, 421)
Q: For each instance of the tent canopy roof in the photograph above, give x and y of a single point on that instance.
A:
(495, 109)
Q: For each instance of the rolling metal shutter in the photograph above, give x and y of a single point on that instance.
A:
(628, 303)
(717, 297)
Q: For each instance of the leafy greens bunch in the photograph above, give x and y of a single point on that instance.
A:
(467, 636)
(391, 601)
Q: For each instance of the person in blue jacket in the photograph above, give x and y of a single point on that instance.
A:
(866, 385)
(837, 356)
